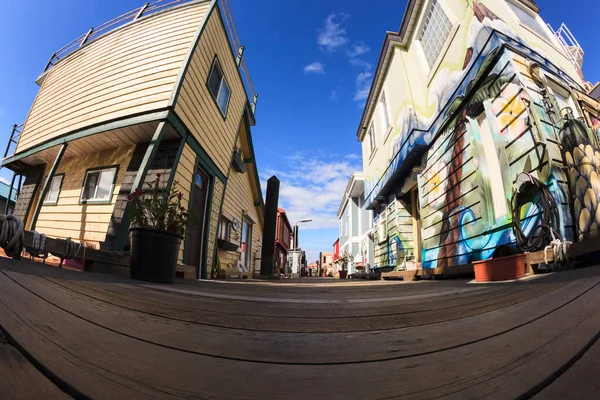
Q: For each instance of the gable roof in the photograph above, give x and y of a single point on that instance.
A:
(4, 189)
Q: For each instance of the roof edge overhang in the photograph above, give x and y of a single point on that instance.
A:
(355, 179)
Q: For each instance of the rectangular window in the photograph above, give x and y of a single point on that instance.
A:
(384, 111)
(529, 20)
(373, 144)
(434, 33)
(218, 87)
(98, 185)
(225, 227)
(54, 190)
(563, 100)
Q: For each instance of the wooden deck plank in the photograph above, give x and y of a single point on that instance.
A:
(20, 380)
(103, 351)
(301, 348)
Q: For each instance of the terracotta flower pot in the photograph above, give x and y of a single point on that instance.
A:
(500, 269)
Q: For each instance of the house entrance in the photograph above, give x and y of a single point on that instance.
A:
(195, 230)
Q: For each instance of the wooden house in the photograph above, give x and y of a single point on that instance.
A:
(163, 90)
(467, 95)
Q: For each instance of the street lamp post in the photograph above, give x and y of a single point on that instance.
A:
(295, 233)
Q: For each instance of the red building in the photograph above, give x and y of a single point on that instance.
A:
(283, 238)
(336, 250)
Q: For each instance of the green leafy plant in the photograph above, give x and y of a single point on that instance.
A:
(159, 208)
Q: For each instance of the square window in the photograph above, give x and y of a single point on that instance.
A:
(435, 32)
(98, 185)
(54, 190)
(373, 144)
(217, 85)
(225, 227)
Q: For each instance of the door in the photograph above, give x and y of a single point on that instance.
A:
(246, 256)
(195, 231)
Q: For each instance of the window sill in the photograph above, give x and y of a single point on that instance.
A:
(438, 62)
(96, 202)
(372, 155)
(50, 203)
(387, 134)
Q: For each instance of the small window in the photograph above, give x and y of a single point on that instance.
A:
(373, 144)
(218, 87)
(98, 185)
(563, 100)
(225, 227)
(529, 20)
(384, 111)
(53, 190)
(434, 33)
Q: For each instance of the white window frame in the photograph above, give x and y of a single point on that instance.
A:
(557, 89)
(47, 199)
(452, 31)
(372, 138)
(110, 192)
(216, 65)
(385, 115)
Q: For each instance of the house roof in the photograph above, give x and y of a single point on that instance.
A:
(4, 189)
(354, 188)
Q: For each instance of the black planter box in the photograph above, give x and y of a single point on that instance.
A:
(225, 245)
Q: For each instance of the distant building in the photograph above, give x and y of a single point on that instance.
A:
(4, 191)
(355, 223)
(283, 238)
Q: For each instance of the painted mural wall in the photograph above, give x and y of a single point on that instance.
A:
(484, 120)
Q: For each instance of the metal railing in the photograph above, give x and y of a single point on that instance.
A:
(570, 45)
(14, 138)
(150, 8)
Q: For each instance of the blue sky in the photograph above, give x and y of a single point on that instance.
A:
(311, 62)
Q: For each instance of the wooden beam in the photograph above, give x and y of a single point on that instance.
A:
(46, 186)
(138, 182)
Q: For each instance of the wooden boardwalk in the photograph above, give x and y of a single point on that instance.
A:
(104, 337)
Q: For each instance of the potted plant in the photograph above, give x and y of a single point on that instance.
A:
(343, 260)
(500, 268)
(158, 226)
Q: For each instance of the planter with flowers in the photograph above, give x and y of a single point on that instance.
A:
(343, 261)
(157, 228)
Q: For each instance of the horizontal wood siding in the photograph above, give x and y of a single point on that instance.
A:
(82, 222)
(129, 71)
(195, 104)
(239, 200)
(214, 223)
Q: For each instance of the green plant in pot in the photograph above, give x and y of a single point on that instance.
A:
(158, 222)
(343, 260)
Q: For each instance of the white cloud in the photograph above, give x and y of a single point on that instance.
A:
(358, 49)
(315, 68)
(333, 95)
(363, 85)
(333, 36)
(312, 186)
(357, 62)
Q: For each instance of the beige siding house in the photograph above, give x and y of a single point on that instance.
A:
(163, 90)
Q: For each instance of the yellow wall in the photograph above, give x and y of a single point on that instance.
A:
(82, 222)
(240, 196)
(195, 105)
(131, 70)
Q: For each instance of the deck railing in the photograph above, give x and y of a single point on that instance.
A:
(147, 9)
